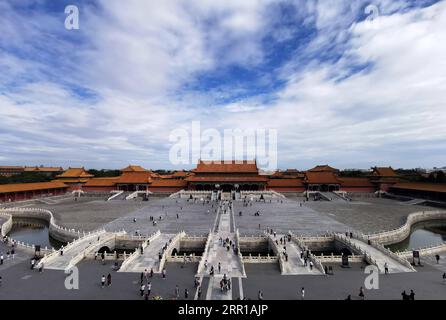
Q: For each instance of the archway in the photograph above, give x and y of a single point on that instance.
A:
(104, 249)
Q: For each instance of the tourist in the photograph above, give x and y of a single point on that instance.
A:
(386, 268)
(229, 284)
(142, 289)
(412, 295)
(211, 273)
(40, 266)
(109, 279)
(437, 257)
(302, 293)
(311, 265)
(149, 288)
(7, 255)
(177, 292)
(205, 264)
(142, 276)
(186, 293)
(444, 278)
(219, 267)
(33, 262)
(1, 259)
(260, 295)
(361, 293)
(103, 257)
(151, 272)
(103, 281)
(13, 252)
(404, 295)
(198, 293)
(164, 273)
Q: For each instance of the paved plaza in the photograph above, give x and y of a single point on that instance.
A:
(173, 215)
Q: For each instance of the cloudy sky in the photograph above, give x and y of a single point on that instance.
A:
(348, 83)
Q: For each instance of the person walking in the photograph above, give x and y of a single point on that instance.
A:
(141, 278)
(311, 265)
(386, 268)
(186, 294)
(40, 266)
(109, 280)
(302, 293)
(219, 267)
(177, 292)
(33, 262)
(164, 273)
(412, 295)
(1, 259)
(103, 281)
(260, 295)
(149, 288)
(142, 289)
(437, 257)
(199, 293)
(361, 293)
(444, 278)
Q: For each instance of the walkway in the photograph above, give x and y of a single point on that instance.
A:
(295, 265)
(150, 257)
(74, 252)
(229, 261)
(380, 257)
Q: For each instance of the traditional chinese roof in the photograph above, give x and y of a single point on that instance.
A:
(323, 168)
(133, 168)
(44, 169)
(142, 177)
(20, 187)
(321, 178)
(101, 182)
(384, 172)
(421, 186)
(285, 183)
(355, 182)
(180, 174)
(11, 168)
(75, 173)
(244, 166)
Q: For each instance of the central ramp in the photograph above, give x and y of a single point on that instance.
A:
(229, 260)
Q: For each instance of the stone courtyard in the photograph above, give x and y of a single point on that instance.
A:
(198, 218)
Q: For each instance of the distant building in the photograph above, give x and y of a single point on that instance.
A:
(27, 191)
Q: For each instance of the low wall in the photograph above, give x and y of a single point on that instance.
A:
(57, 232)
(401, 233)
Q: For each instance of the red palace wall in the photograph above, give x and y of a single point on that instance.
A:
(20, 196)
(358, 189)
(285, 189)
(98, 189)
(165, 189)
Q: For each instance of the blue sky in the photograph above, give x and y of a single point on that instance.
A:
(339, 87)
